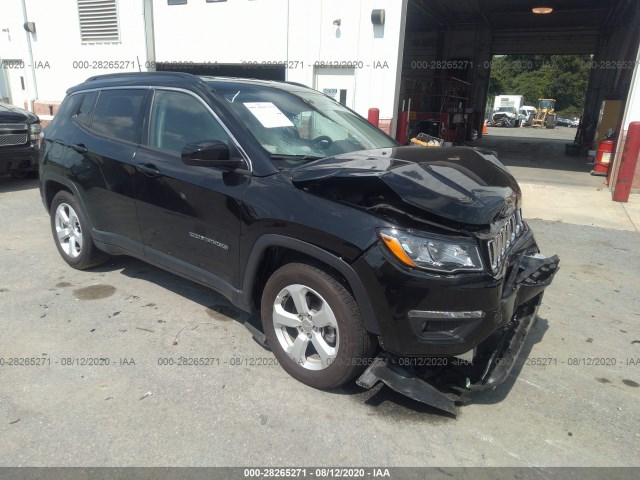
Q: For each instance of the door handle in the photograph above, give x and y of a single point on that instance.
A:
(80, 148)
(148, 169)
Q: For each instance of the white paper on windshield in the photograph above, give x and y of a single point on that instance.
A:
(268, 114)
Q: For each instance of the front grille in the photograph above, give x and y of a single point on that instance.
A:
(500, 245)
(13, 134)
(4, 127)
(7, 140)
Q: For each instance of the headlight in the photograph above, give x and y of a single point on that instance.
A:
(34, 131)
(432, 252)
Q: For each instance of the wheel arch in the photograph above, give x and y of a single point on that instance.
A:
(272, 251)
(52, 184)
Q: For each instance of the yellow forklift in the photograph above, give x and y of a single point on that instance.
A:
(546, 114)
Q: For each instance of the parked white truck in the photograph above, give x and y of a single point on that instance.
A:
(506, 110)
(515, 101)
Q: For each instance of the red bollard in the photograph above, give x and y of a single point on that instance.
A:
(627, 163)
(403, 125)
(374, 116)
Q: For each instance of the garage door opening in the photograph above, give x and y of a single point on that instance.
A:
(545, 91)
(458, 56)
(535, 114)
(534, 109)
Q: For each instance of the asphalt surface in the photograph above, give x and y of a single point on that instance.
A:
(580, 409)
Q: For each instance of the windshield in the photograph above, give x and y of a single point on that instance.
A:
(506, 109)
(301, 127)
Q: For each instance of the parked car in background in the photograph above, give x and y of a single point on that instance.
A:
(19, 141)
(361, 257)
(566, 122)
(527, 112)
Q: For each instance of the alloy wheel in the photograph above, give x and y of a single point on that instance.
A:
(306, 327)
(68, 230)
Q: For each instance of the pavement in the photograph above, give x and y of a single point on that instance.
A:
(574, 399)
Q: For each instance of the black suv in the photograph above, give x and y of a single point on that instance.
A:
(19, 141)
(359, 254)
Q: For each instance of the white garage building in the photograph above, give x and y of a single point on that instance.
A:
(350, 50)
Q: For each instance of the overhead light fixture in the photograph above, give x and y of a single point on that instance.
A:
(542, 10)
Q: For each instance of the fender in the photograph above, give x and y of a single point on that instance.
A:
(273, 240)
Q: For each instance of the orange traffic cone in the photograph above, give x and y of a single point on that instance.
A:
(485, 130)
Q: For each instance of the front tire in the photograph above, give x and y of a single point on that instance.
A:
(71, 233)
(314, 327)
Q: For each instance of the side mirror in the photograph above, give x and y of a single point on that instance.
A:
(210, 154)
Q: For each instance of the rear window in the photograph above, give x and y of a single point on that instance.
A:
(82, 113)
(118, 114)
(68, 108)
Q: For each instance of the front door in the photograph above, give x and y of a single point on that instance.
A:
(189, 215)
(338, 83)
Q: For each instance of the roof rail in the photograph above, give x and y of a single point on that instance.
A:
(142, 75)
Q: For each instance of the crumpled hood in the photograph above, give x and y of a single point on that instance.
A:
(461, 184)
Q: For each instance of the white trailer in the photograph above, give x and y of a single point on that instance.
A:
(515, 101)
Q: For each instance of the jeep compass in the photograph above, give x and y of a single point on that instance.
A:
(363, 258)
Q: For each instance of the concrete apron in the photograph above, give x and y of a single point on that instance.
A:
(580, 206)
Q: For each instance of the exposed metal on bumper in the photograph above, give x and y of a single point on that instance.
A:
(534, 274)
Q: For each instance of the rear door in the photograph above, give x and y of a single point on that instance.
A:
(189, 216)
(92, 141)
(107, 171)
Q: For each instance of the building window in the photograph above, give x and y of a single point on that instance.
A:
(98, 21)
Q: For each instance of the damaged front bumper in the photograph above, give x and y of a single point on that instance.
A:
(443, 382)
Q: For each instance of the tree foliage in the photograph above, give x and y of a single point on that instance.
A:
(563, 77)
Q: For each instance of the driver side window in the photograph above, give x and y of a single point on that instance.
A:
(178, 118)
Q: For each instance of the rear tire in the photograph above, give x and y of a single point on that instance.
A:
(71, 233)
(314, 327)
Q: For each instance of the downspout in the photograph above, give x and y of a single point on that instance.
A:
(33, 98)
(149, 37)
